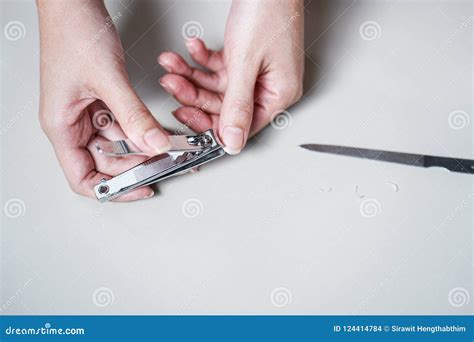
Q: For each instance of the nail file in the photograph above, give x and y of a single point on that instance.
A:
(451, 164)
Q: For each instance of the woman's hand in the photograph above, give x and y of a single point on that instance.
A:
(258, 74)
(83, 76)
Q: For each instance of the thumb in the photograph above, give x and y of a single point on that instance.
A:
(237, 107)
(134, 117)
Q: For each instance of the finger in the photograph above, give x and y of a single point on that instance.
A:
(115, 165)
(237, 107)
(79, 169)
(108, 164)
(137, 194)
(189, 95)
(261, 118)
(103, 120)
(133, 116)
(209, 59)
(114, 133)
(194, 118)
(267, 106)
(175, 64)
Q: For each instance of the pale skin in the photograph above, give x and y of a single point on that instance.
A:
(237, 90)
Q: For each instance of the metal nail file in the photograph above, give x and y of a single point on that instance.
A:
(187, 152)
(451, 164)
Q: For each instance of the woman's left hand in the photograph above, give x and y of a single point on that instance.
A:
(257, 74)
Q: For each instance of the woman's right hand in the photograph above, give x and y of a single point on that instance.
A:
(83, 81)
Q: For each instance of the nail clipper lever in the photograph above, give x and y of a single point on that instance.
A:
(179, 143)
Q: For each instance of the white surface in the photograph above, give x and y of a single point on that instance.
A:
(268, 219)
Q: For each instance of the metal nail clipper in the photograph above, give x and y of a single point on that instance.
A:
(186, 153)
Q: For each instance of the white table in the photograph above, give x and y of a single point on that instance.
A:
(276, 219)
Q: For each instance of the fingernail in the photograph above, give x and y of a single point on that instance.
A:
(166, 87)
(190, 45)
(151, 194)
(233, 139)
(157, 141)
(166, 66)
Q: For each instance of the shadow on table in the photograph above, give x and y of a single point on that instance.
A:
(144, 35)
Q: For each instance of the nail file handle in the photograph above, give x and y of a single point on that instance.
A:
(452, 164)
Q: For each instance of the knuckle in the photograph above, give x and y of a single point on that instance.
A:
(239, 112)
(240, 107)
(77, 184)
(241, 57)
(290, 91)
(75, 187)
(48, 122)
(135, 115)
(298, 93)
(249, 58)
(44, 123)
